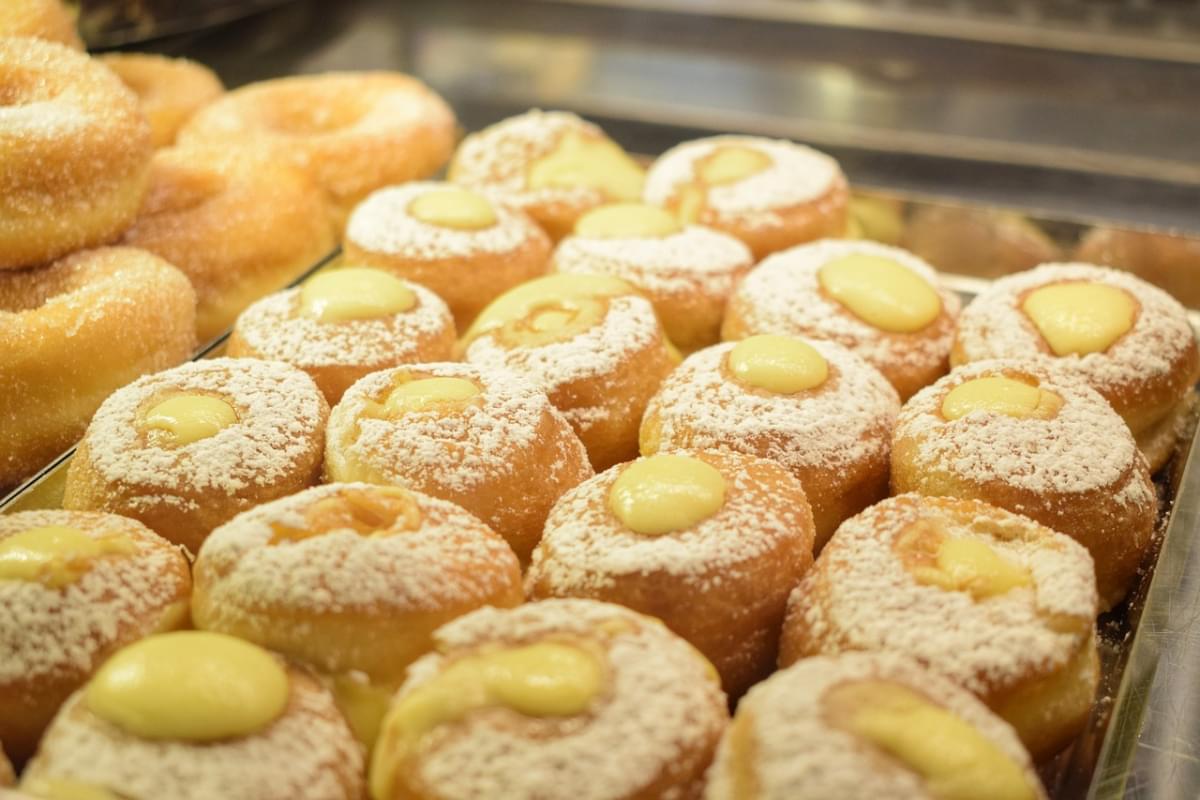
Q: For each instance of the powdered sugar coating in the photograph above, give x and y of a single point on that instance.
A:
(842, 422)
(275, 327)
(63, 632)
(798, 754)
(995, 326)
(783, 295)
(797, 175)
(861, 596)
(1085, 446)
(308, 753)
(662, 711)
(382, 224)
(342, 571)
(695, 258)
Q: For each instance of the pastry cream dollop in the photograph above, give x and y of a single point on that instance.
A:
(881, 292)
(664, 493)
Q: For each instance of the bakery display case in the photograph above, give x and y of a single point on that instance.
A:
(985, 137)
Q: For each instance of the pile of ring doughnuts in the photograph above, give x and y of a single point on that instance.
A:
(568, 479)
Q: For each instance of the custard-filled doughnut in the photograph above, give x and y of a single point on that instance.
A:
(459, 243)
(881, 302)
(551, 164)
(194, 715)
(1032, 438)
(187, 449)
(354, 132)
(866, 726)
(1003, 606)
(351, 579)
(811, 405)
(558, 700)
(711, 543)
(1170, 261)
(169, 90)
(40, 19)
(74, 153)
(1131, 341)
(477, 436)
(73, 332)
(591, 342)
(771, 194)
(688, 272)
(239, 222)
(344, 324)
(75, 586)
(978, 241)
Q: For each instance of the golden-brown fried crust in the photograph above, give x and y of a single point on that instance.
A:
(169, 90)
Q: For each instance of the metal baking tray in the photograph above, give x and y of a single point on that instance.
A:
(1142, 739)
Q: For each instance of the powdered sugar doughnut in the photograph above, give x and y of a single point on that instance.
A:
(719, 577)
(1050, 448)
(75, 587)
(834, 436)
(847, 727)
(771, 194)
(186, 449)
(795, 293)
(477, 436)
(169, 90)
(74, 153)
(638, 714)
(992, 600)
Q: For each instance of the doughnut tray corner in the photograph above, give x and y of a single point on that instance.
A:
(1142, 739)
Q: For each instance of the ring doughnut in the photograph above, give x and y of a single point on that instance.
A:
(458, 243)
(74, 153)
(72, 333)
(710, 543)
(999, 604)
(557, 700)
(812, 406)
(344, 324)
(552, 165)
(882, 302)
(75, 587)
(40, 19)
(169, 90)
(468, 434)
(771, 194)
(1032, 438)
(238, 222)
(187, 449)
(354, 132)
(195, 715)
(865, 726)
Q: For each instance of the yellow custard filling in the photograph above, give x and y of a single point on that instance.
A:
(881, 292)
(724, 165)
(187, 418)
(779, 364)
(664, 493)
(353, 293)
(1000, 395)
(56, 555)
(1080, 318)
(958, 564)
(431, 394)
(627, 221)
(375, 512)
(454, 207)
(65, 789)
(589, 162)
(555, 308)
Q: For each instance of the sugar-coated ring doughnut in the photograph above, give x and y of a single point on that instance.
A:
(1035, 439)
(771, 194)
(351, 579)
(688, 272)
(239, 222)
(461, 244)
(40, 19)
(473, 435)
(74, 153)
(189, 448)
(720, 580)
(75, 586)
(864, 726)
(834, 434)
(1141, 354)
(882, 302)
(169, 90)
(353, 131)
(1003, 606)
(599, 701)
(185, 719)
(72, 333)
(345, 324)
(553, 165)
